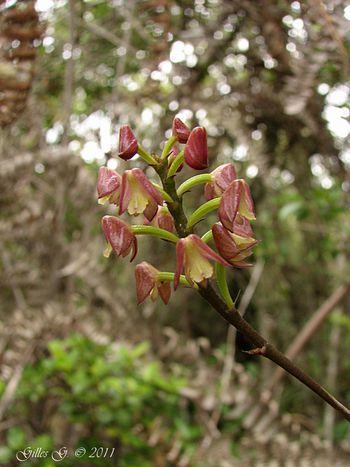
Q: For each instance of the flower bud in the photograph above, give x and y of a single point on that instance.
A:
(233, 248)
(221, 178)
(236, 200)
(196, 149)
(108, 185)
(163, 219)
(119, 236)
(128, 145)
(181, 131)
(148, 284)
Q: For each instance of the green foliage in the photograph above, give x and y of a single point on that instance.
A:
(115, 395)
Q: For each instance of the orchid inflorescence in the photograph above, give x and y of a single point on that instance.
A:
(163, 215)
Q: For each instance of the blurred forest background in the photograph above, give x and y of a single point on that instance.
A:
(81, 364)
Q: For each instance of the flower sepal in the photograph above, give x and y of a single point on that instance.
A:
(149, 284)
(108, 186)
(119, 236)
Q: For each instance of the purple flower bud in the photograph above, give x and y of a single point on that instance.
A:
(128, 145)
(236, 200)
(181, 131)
(163, 219)
(234, 248)
(196, 149)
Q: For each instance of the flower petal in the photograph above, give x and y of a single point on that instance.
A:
(108, 182)
(224, 175)
(119, 235)
(147, 185)
(206, 251)
(145, 281)
(246, 208)
(151, 210)
(224, 242)
(233, 247)
(165, 221)
(230, 203)
(125, 193)
(164, 291)
(133, 248)
(209, 191)
(242, 227)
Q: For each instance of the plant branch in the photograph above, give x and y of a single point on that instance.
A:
(233, 317)
(267, 350)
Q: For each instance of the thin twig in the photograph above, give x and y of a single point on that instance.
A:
(331, 378)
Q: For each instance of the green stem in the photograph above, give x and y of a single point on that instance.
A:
(155, 231)
(193, 181)
(202, 211)
(169, 276)
(146, 155)
(165, 195)
(222, 284)
(207, 237)
(167, 147)
(176, 164)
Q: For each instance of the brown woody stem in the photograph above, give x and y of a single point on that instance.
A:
(232, 316)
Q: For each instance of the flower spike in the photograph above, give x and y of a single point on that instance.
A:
(108, 185)
(221, 178)
(194, 255)
(138, 195)
(149, 285)
(119, 236)
(236, 200)
(181, 131)
(128, 145)
(196, 149)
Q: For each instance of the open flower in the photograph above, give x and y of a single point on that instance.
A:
(196, 149)
(119, 236)
(221, 178)
(181, 131)
(236, 200)
(163, 219)
(194, 255)
(128, 145)
(138, 195)
(234, 248)
(108, 185)
(148, 284)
